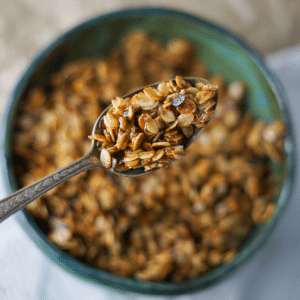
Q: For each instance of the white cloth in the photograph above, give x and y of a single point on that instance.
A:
(273, 273)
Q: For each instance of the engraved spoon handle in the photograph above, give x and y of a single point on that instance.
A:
(21, 198)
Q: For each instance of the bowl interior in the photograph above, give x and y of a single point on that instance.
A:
(222, 53)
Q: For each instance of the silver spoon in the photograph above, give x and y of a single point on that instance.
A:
(24, 196)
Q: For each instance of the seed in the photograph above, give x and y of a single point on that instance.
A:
(208, 105)
(118, 103)
(125, 125)
(163, 162)
(157, 137)
(147, 146)
(208, 116)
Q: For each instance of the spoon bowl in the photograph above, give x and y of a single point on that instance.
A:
(141, 171)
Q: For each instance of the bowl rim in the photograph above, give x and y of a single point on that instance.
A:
(128, 284)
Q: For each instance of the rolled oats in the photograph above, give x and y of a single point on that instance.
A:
(162, 126)
(176, 223)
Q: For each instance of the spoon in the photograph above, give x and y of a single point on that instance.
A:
(24, 196)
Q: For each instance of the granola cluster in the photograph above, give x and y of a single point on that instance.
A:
(151, 128)
(175, 223)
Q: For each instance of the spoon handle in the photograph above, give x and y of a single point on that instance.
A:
(24, 196)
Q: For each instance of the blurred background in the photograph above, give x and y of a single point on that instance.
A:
(270, 26)
(26, 26)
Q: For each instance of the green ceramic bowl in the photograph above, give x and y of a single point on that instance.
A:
(224, 53)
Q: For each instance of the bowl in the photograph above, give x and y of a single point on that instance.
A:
(224, 53)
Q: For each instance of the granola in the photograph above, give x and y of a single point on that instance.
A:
(151, 129)
(175, 223)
